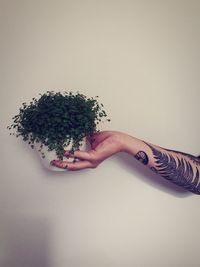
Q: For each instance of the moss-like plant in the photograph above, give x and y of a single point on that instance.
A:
(57, 119)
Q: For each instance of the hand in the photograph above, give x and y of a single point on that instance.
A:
(103, 145)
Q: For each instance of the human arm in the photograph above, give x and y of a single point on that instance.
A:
(180, 168)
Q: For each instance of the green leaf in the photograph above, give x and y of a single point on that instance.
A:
(56, 118)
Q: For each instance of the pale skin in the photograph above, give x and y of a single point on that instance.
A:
(180, 168)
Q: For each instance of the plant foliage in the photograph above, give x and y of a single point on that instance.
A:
(57, 119)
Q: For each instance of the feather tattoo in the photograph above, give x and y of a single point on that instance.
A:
(178, 171)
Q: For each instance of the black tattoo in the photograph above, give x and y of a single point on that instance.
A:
(142, 157)
(193, 158)
(179, 172)
(154, 169)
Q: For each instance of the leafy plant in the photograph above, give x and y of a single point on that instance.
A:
(57, 119)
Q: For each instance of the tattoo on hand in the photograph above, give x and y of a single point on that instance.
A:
(179, 172)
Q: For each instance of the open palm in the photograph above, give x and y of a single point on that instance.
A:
(103, 145)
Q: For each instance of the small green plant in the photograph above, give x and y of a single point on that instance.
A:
(57, 119)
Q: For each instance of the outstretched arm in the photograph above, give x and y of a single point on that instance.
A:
(180, 168)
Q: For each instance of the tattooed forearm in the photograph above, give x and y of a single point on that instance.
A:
(142, 157)
(195, 160)
(183, 171)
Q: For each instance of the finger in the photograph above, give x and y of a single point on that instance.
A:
(68, 154)
(60, 163)
(83, 155)
(79, 165)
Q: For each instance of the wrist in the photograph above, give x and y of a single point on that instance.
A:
(126, 143)
(129, 144)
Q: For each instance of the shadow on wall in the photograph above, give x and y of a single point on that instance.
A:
(24, 242)
(150, 177)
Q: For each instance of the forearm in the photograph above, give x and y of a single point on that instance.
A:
(180, 168)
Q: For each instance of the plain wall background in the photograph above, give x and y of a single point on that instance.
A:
(142, 59)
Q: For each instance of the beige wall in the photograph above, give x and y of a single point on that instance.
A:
(142, 59)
